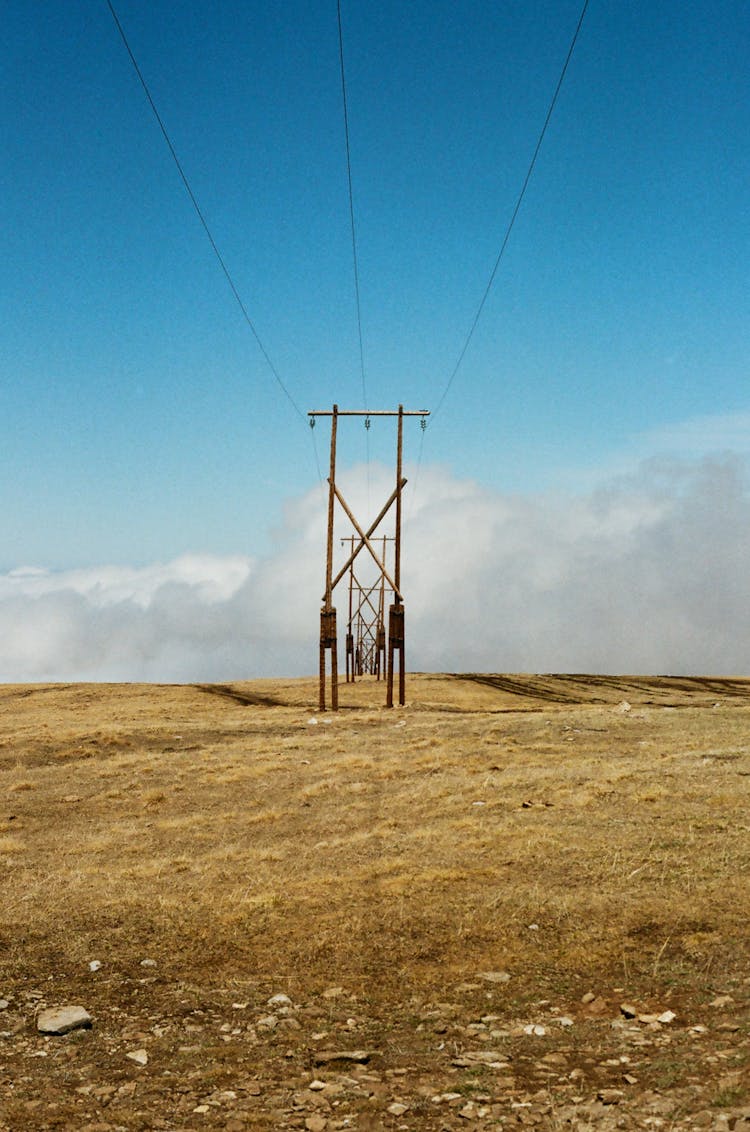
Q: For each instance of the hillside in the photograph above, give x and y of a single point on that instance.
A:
(465, 892)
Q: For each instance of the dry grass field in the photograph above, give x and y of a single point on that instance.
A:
(464, 892)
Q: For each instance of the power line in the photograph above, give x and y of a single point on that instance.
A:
(351, 205)
(515, 212)
(202, 218)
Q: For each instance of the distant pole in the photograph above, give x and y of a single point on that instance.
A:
(380, 628)
(396, 628)
(328, 613)
(349, 630)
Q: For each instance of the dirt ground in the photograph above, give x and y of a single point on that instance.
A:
(517, 901)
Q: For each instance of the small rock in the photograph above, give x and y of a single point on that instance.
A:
(610, 1096)
(224, 1096)
(316, 1123)
(491, 1057)
(4, 1004)
(534, 1030)
(397, 1108)
(317, 1085)
(597, 1005)
(588, 997)
(628, 1010)
(333, 992)
(279, 1000)
(495, 976)
(139, 1056)
(722, 1000)
(95, 964)
(324, 1056)
(148, 962)
(667, 1017)
(62, 1019)
(623, 707)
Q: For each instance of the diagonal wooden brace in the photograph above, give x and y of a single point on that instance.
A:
(366, 542)
(372, 528)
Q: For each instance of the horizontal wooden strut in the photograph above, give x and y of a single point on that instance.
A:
(368, 413)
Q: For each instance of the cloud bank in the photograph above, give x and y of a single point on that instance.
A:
(648, 574)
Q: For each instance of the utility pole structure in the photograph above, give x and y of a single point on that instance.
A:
(363, 540)
(365, 630)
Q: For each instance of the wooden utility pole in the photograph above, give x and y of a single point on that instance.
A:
(362, 646)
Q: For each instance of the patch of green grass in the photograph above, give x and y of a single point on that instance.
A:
(729, 1096)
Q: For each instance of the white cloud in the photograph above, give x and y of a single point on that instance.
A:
(212, 579)
(647, 574)
(709, 436)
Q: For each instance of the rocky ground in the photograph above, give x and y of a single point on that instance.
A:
(164, 1055)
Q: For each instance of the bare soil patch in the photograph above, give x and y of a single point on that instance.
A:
(465, 892)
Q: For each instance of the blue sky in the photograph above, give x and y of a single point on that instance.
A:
(139, 419)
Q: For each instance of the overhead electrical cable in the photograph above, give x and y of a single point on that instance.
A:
(351, 205)
(202, 218)
(515, 212)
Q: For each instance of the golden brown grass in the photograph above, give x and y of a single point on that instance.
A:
(226, 832)
(222, 830)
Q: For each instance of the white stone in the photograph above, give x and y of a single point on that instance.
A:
(279, 1000)
(62, 1019)
(139, 1056)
